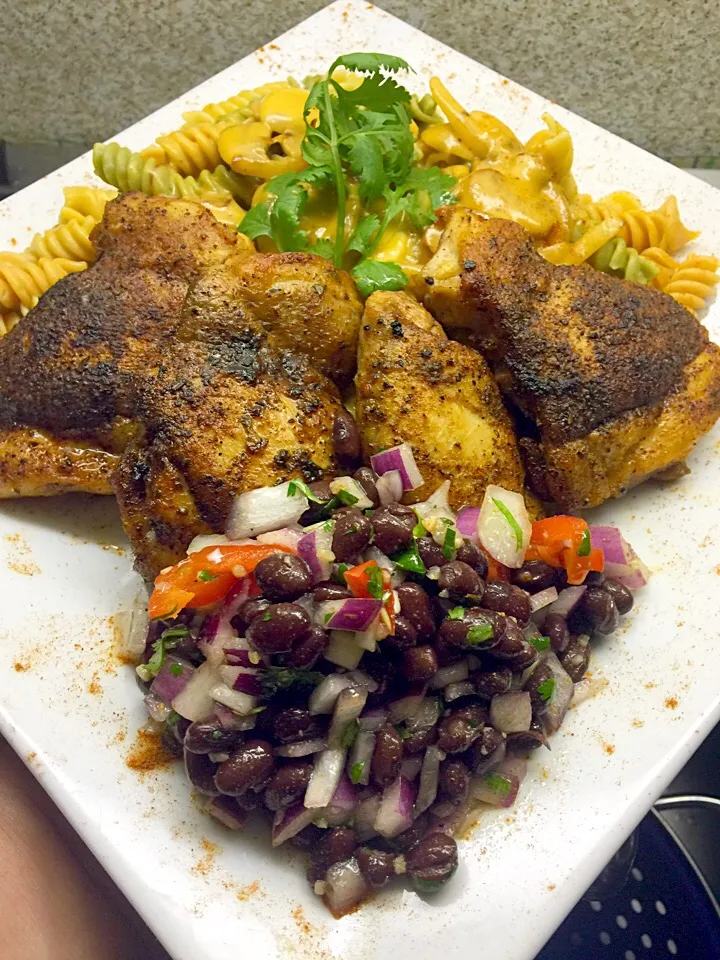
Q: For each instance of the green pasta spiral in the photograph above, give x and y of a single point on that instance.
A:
(616, 258)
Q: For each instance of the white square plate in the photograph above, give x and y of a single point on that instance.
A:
(212, 895)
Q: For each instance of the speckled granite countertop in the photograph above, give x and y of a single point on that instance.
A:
(646, 70)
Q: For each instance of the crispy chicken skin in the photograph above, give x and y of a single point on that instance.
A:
(166, 270)
(415, 385)
(219, 418)
(602, 370)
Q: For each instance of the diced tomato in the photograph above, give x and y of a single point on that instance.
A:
(358, 580)
(578, 567)
(551, 530)
(557, 540)
(205, 576)
(497, 571)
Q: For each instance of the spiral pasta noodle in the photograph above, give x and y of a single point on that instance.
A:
(191, 149)
(240, 102)
(617, 258)
(81, 202)
(70, 241)
(641, 229)
(690, 281)
(22, 283)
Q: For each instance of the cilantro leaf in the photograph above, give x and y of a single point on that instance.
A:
(410, 559)
(514, 525)
(365, 159)
(176, 669)
(372, 275)
(370, 63)
(547, 688)
(349, 733)
(498, 784)
(256, 222)
(540, 643)
(166, 641)
(275, 679)
(296, 487)
(419, 529)
(375, 584)
(427, 190)
(448, 547)
(585, 545)
(457, 613)
(204, 576)
(361, 238)
(480, 633)
(356, 771)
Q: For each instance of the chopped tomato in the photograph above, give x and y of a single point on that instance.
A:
(358, 578)
(554, 529)
(578, 567)
(496, 571)
(205, 576)
(564, 541)
(364, 582)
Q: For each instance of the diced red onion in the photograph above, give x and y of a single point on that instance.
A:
(497, 536)
(358, 678)
(238, 658)
(467, 523)
(290, 821)
(633, 576)
(492, 760)
(567, 600)
(621, 561)
(360, 757)
(233, 721)
(513, 766)
(286, 537)
(166, 684)
(348, 707)
(611, 542)
(452, 818)
(453, 673)
(324, 696)
(454, 691)
(406, 706)
(246, 680)
(354, 614)
(325, 777)
(398, 458)
(227, 810)
(373, 719)
(342, 804)
(411, 766)
(511, 712)
(397, 574)
(302, 749)
(195, 701)
(390, 487)
(429, 776)
(315, 548)
(344, 649)
(156, 708)
(345, 887)
(240, 702)
(365, 817)
(264, 509)
(350, 486)
(499, 789)
(396, 808)
(563, 689)
(543, 599)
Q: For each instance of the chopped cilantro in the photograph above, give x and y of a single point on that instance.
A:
(166, 641)
(345, 497)
(283, 678)
(419, 529)
(349, 733)
(356, 771)
(176, 669)
(448, 548)
(540, 643)
(258, 709)
(339, 572)
(328, 617)
(216, 735)
(514, 525)
(498, 784)
(547, 688)
(403, 731)
(457, 613)
(296, 487)
(267, 616)
(375, 584)
(205, 576)
(172, 718)
(585, 545)
(410, 559)
(480, 633)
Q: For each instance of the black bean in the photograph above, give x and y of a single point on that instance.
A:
(287, 784)
(458, 730)
(415, 607)
(473, 557)
(334, 845)
(523, 658)
(599, 607)
(561, 578)
(173, 736)
(377, 866)
(540, 675)
(555, 627)
(210, 736)
(316, 511)
(283, 576)
(346, 439)
(512, 639)
(460, 580)
(534, 576)
(410, 838)
(295, 724)
(405, 636)
(621, 595)
(307, 650)
(393, 526)
(576, 656)
(453, 781)
(447, 653)
(248, 611)
(367, 479)
(200, 771)
(248, 766)
(463, 633)
(432, 862)
(430, 552)
(508, 599)
(531, 739)
(279, 628)
(353, 532)
(308, 838)
(419, 741)
(485, 746)
(419, 664)
(327, 590)
(491, 683)
(387, 755)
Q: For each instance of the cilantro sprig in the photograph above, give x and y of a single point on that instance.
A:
(359, 137)
(275, 679)
(166, 641)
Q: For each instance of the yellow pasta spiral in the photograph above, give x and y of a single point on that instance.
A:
(81, 202)
(23, 283)
(10, 320)
(690, 281)
(661, 228)
(191, 149)
(68, 240)
(240, 102)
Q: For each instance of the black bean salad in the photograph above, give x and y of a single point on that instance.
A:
(364, 674)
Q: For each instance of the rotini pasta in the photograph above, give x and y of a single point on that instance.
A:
(189, 150)
(70, 241)
(690, 281)
(23, 283)
(212, 112)
(616, 258)
(81, 202)
(661, 228)
(126, 170)
(10, 320)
